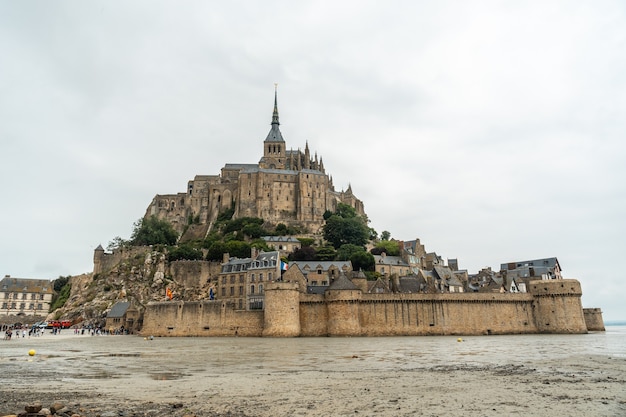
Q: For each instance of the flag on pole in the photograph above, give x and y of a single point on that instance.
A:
(283, 266)
(168, 292)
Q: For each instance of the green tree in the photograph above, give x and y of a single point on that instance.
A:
(59, 299)
(216, 251)
(326, 253)
(362, 261)
(184, 252)
(239, 224)
(339, 231)
(238, 248)
(306, 241)
(60, 282)
(305, 253)
(346, 211)
(281, 229)
(345, 252)
(385, 235)
(152, 231)
(390, 247)
(117, 243)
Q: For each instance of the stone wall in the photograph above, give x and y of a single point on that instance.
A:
(194, 274)
(593, 319)
(558, 308)
(200, 318)
(550, 307)
(313, 315)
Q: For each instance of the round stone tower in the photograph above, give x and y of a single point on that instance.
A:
(282, 310)
(98, 256)
(342, 301)
(557, 306)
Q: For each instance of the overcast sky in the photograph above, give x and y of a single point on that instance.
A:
(492, 131)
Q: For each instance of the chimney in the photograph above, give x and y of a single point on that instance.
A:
(225, 258)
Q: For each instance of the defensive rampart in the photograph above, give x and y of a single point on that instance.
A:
(593, 319)
(549, 307)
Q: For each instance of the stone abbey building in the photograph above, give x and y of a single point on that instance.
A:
(286, 186)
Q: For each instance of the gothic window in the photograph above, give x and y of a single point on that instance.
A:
(232, 290)
(252, 278)
(260, 289)
(269, 276)
(251, 289)
(241, 290)
(260, 277)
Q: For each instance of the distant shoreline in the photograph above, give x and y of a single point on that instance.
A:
(615, 323)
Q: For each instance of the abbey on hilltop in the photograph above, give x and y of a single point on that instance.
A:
(286, 186)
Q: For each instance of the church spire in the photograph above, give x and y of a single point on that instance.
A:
(275, 135)
(275, 114)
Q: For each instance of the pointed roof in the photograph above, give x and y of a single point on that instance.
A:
(342, 283)
(275, 135)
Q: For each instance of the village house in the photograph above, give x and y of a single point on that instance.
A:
(283, 244)
(22, 296)
(387, 265)
(319, 275)
(123, 317)
(242, 281)
(522, 272)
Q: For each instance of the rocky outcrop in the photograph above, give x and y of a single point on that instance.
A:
(138, 277)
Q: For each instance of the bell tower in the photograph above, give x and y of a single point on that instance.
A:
(274, 147)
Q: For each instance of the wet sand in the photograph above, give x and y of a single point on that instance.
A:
(574, 375)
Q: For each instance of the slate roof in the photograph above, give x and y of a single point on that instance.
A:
(544, 262)
(241, 166)
(389, 260)
(280, 239)
(10, 284)
(342, 283)
(325, 265)
(316, 289)
(119, 309)
(412, 284)
(264, 260)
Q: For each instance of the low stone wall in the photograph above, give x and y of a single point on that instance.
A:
(200, 318)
